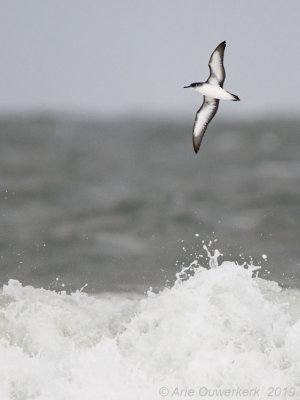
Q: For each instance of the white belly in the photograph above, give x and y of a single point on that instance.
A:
(214, 91)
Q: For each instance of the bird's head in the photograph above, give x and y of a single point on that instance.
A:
(193, 85)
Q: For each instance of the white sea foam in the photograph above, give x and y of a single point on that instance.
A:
(220, 329)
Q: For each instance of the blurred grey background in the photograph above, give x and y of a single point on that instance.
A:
(135, 56)
(98, 180)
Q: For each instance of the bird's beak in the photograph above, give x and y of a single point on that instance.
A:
(186, 87)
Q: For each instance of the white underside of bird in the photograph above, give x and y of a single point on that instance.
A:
(215, 92)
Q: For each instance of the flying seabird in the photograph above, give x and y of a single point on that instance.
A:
(212, 91)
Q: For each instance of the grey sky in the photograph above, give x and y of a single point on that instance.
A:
(121, 55)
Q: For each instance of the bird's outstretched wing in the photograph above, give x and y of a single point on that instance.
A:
(216, 67)
(203, 117)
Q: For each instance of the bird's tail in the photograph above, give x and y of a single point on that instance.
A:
(235, 97)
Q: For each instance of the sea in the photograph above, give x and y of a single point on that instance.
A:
(131, 268)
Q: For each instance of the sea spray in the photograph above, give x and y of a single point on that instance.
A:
(218, 328)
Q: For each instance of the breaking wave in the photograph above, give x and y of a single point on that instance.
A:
(219, 329)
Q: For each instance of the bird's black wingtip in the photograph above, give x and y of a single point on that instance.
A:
(196, 143)
(221, 46)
